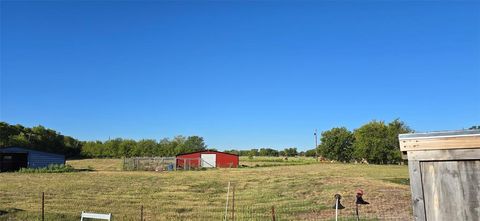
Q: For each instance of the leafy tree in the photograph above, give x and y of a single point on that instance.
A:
(311, 153)
(378, 143)
(126, 148)
(474, 127)
(290, 152)
(233, 152)
(268, 152)
(38, 138)
(146, 147)
(371, 141)
(253, 152)
(337, 144)
(194, 143)
(395, 128)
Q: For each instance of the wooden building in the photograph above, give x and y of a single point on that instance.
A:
(444, 170)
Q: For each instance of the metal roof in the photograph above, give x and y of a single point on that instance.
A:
(203, 151)
(439, 134)
(26, 150)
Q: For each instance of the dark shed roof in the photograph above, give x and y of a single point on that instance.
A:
(26, 150)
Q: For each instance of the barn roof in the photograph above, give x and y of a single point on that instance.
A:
(207, 151)
(25, 150)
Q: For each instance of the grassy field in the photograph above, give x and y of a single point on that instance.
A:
(275, 161)
(299, 189)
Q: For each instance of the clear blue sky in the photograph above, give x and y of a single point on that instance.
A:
(240, 74)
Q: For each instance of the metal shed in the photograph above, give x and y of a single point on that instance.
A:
(207, 159)
(444, 170)
(14, 158)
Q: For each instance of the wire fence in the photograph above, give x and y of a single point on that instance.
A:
(385, 204)
(149, 163)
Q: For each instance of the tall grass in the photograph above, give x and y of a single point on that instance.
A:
(52, 168)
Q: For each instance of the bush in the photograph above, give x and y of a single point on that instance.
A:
(52, 168)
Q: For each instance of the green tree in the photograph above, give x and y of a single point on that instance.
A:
(395, 128)
(337, 144)
(378, 143)
(145, 147)
(267, 152)
(194, 143)
(371, 141)
(290, 152)
(311, 153)
(126, 148)
(254, 152)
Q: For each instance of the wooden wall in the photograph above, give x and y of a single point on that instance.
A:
(444, 170)
(451, 189)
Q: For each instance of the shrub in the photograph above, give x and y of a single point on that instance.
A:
(52, 168)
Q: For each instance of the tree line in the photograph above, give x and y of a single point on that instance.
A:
(267, 152)
(38, 138)
(146, 147)
(376, 142)
(43, 139)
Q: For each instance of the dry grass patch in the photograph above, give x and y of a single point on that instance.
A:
(302, 192)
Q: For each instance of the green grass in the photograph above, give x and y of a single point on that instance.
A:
(298, 191)
(97, 164)
(275, 161)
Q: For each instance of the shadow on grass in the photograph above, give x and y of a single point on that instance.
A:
(9, 210)
(403, 181)
(20, 214)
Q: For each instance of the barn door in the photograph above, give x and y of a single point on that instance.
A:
(13, 161)
(209, 160)
(451, 190)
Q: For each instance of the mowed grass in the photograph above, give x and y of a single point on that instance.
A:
(97, 164)
(298, 192)
(275, 161)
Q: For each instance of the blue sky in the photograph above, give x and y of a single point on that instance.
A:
(240, 74)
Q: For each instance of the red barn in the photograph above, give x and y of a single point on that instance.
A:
(207, 159)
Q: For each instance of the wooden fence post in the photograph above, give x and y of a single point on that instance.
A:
(226, 203)
(141, 213)
(233, 203)
(43, 206)
(273, 213)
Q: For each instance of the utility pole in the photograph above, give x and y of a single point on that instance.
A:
(316, 145)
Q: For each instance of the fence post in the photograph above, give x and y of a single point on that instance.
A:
(233, 203)
(226, 203)
(43, 206)
(141, 213)
(273, 213)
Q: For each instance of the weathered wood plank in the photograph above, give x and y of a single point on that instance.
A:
(432, 143)
(451, 190)
(437, 155)
(417, 190)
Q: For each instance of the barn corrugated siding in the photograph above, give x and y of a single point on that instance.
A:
(223, 160)
(37, 159)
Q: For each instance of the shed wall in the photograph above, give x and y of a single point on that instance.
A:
(223, 160)
(444, 170)
(190, 160)
(37, 159)
(40, 159)
(451, 189)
